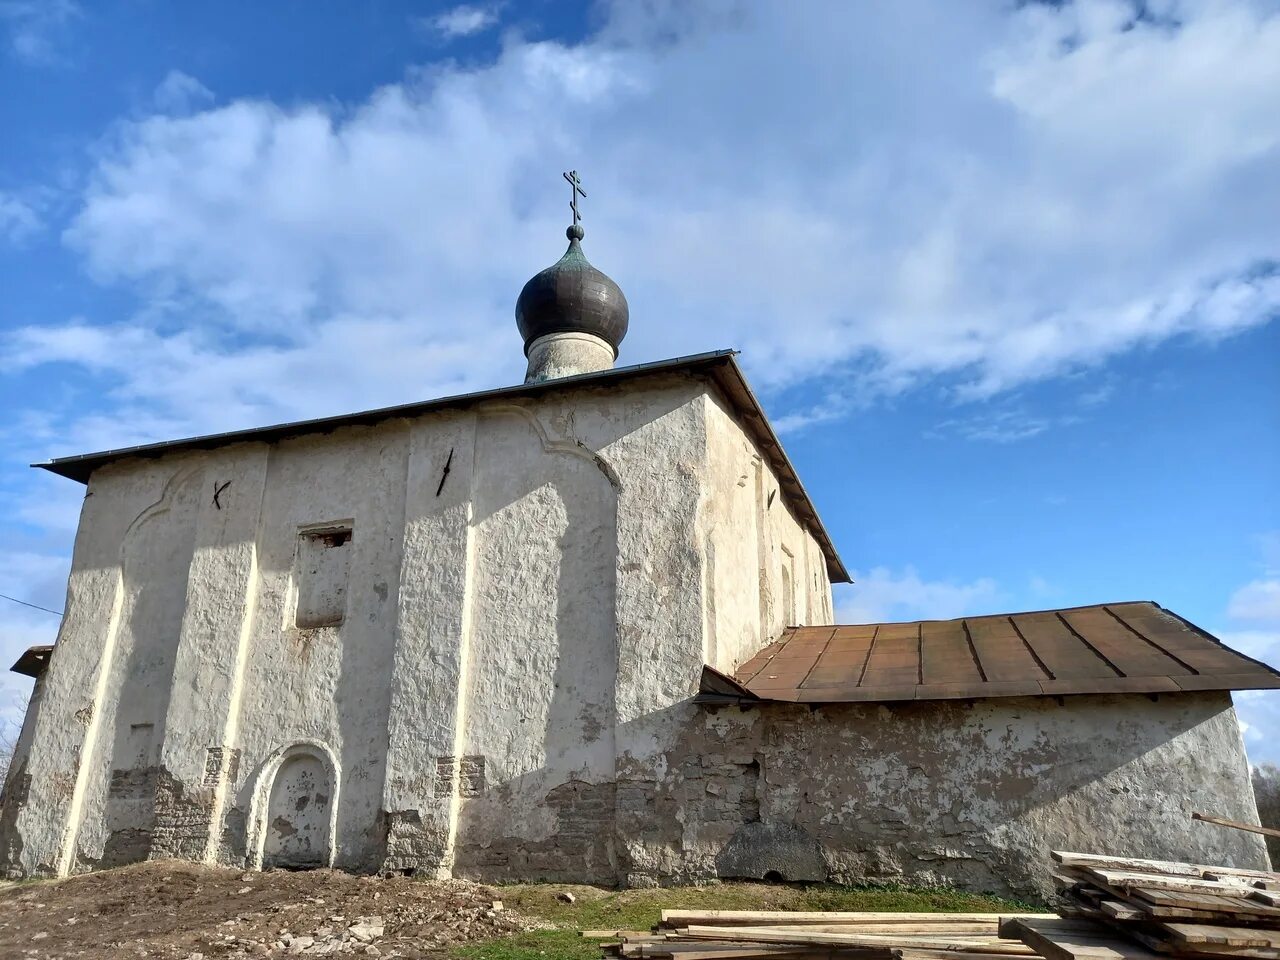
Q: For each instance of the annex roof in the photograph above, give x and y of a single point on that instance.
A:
(34, 660)
(1137, 647)
(719, 365)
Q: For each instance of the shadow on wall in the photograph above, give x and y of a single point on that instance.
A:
(155, 586)
(544, 655)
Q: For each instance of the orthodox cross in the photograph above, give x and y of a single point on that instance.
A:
(572, 177)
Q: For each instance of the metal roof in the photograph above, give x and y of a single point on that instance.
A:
(719, 365)
(1136, 647)
(34, 661)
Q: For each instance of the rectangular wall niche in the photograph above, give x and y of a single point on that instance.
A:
(322, 566)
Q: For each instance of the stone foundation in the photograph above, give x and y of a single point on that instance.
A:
(965, 794)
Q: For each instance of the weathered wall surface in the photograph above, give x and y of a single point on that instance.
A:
(453, 626)
(973, 794)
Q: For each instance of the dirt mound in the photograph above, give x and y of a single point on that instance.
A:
(180, 910)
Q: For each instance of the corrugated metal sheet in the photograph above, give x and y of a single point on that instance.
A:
(1137, 647)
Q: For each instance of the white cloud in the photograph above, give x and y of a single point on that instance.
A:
(461, 21)
(1258, 601)
(1000, 426)
(18, 218)
(180, 93)
(882, 595)
(1253, 616)
(1013, 196)
(36, 26)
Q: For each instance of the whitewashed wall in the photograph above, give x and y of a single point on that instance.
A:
(526, 582)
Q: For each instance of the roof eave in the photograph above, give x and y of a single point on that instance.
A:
(34, 661)
(81, 466)
(720, 364)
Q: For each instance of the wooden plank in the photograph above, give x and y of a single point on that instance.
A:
(672, 918)
(1122, 911)
(1217, 904)
(798, 935)
(1153, 881)
(941, 939)
(1221, 950)
(1167, 904)
(1072, 940)
(745, 952)
(1235, 824)
(1163, 912)
(1227, 936)
(732, 951)
(905, 929)
(1168, 867)
(618, 934)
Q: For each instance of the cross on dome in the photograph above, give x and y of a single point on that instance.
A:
(576, 184)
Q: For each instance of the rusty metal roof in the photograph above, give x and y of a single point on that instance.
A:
(34, 661)
(1136, 647)
(719, 365)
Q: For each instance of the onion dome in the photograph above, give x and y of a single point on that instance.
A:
(572, 296)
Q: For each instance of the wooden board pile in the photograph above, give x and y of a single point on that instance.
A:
(732, 934)
(1127, 909)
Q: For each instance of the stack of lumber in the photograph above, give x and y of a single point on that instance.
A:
(730, 934)
(1126, 909)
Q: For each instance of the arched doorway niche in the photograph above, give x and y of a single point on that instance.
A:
(295, 808)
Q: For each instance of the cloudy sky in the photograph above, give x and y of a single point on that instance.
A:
(1006, 274)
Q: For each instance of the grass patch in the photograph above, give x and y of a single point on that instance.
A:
(598, 909)
(534, 945)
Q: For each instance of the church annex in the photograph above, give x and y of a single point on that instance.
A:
(578, 629)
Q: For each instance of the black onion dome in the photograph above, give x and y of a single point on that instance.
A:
(572, 296)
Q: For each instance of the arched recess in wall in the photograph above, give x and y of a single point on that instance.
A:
(112, 814)
(295, 807)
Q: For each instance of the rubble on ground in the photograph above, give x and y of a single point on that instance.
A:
(171, 910)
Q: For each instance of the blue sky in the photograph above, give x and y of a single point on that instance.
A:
(1006, 275)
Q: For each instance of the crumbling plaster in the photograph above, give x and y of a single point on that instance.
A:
(972, 794)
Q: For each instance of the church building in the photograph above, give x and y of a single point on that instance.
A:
(577, 629)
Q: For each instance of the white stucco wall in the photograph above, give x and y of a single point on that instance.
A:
(524, 580)
(752, 541)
